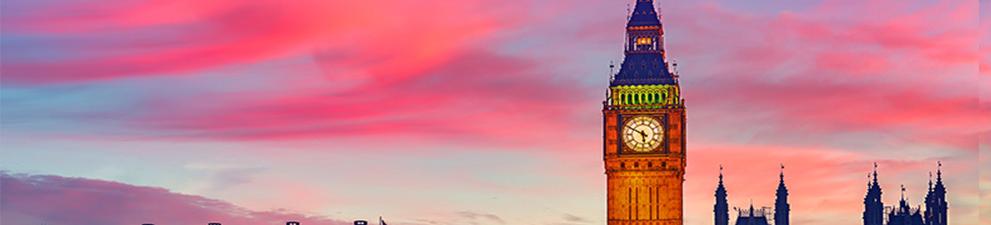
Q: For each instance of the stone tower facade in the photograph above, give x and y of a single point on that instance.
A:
(644, 129)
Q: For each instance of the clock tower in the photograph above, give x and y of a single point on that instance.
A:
(644, 129)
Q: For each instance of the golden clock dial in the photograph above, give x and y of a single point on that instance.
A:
(642, 134)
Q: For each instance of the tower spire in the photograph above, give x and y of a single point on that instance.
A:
(644, 14)
(939, 171)
(873, 207)
(875, 172)
(644, 62)
(936, 205)
(782, 175)
(721, 208)
(781, 207)
(903, 192)
(868, 180)
(720, 174)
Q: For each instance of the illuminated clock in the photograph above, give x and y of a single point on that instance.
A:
(642, 133)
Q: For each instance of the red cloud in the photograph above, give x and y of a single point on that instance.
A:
(36, 199)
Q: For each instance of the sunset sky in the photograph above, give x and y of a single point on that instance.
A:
(473, 111)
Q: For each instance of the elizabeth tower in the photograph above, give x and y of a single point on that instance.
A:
(644, 129)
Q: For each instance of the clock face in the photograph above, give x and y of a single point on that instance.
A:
(642, 133)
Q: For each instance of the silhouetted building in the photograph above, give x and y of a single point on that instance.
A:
(292, 223)
(753, 216)
(360, 222)
(213, 223)
(873, 207)
(721, 209)
(904, 214)
(936, 206)
(781, 206)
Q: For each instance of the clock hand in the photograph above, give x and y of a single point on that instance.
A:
(642, 133)
(631, 128)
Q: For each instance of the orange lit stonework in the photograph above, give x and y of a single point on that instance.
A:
(644, 129)
(645, 187)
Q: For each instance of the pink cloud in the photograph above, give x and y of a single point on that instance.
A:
(903, 73)
(826, 185)
(510, 101)
(37, 199)
(107, 41)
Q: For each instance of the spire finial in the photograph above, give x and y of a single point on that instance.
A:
(939, 171)
(875, 172)
(782, 175)
(903, 192)
(751, 208)
(930, 180)
(720, 173)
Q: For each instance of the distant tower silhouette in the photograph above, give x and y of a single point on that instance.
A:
(781, 206)
(751, 216)
(904, 214)
(873, 208)
(936, 206)
(721, 209)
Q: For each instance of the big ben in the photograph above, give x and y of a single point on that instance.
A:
(644, 129)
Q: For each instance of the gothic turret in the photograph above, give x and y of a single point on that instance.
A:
(936, 206)
(781, 206)
(873, 208)
(721, 209)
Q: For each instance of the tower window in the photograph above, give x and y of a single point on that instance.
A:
(645, 41)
